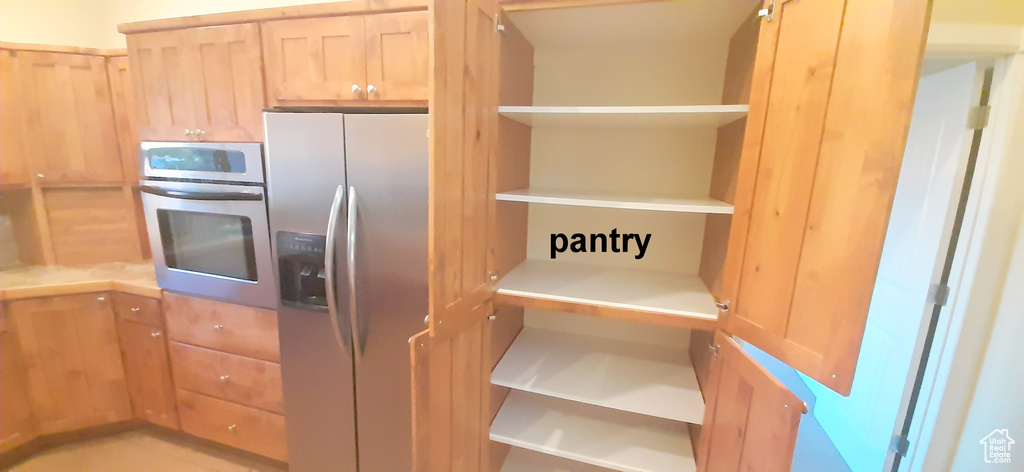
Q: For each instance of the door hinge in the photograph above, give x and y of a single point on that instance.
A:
(941, 294)
(767, 12)
(899, 445)
(498, 27)
(977, 118)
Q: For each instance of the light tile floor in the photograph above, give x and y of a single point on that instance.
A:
(136, 451)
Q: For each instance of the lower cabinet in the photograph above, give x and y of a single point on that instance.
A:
(229, 423)
(72, 360)
(17, 426)
(146, 366)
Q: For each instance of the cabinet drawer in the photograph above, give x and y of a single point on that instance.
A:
(138, 309)
(235, 329)
(251, 382)
(229, 423)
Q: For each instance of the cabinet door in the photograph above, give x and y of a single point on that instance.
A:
(227, 82)
(161, 84)
(73, 358)
(13, 163)
(463, 121)
(830, 107)
(124, 116)
(148, 373)
(397, 55)
(750, 418)
(17, 425)
(315, 61)
(70, 118)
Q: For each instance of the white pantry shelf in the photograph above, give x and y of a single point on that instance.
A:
(674, 299)
(525, 460)
(634, 377)
(593, 435)
(615, 200)
(625, 116)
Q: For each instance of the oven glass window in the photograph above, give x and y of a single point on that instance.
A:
(208, 243)
(197, 159)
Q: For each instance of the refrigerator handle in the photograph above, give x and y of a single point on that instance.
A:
(332, 301)
(357, 339)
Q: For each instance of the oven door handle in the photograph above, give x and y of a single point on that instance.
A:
(329, 268)
(209, 196)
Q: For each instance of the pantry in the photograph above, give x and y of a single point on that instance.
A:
(768, 197)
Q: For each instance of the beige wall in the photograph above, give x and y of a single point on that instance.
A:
(93, 23)
(994, 12)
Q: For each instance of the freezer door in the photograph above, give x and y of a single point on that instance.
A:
(387, 176)
(305, 166)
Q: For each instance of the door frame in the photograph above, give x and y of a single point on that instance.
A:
(947, 343)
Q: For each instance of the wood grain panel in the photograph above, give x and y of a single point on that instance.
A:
(92, 225)
(69, 117)
(315, 60)
(124, 116)
(14, 164)
(139, 309)
(808, 236)
(250, 382)
(238, 426)
(73, 359)
(463, 101)
(750, 420)
(227, 82)
(18, 205)
(161, 84)
(419, 352)
(235, 329)
(17, 424)
(148, 373)
(397, 55)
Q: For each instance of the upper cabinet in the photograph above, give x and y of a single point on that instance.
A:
(830, 105)
(368, 60)
(69, 120)
(198, 84)
(124, 115)
(13, 162)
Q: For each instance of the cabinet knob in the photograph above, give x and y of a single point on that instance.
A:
(154, 334)
(136, 309)
(356, 89)
(371, 89)
(232, 428)
(101, 299)
(189, 132)
(223, 378)
(218, 327)
(40, 176)
(200, 134)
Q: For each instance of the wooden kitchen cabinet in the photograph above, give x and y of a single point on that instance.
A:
(124, 116)
(198, 84)
(70, 130)
(397, 56)
(13, 159)
(368, 60)
(73, 361)
(146, 365)
(17, 423)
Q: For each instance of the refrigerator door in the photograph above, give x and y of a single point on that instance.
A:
(387, 168)
(305, 166)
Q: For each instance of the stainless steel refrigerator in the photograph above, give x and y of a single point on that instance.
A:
(347, 199)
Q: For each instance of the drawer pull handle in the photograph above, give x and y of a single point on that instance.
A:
(223, 378)
(154, 334)
(218, 327)
(136, 310)
(100, 299)
(232, 428)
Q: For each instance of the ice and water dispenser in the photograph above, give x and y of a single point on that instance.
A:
(303, 276)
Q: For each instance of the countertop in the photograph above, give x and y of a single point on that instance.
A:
(42, 281)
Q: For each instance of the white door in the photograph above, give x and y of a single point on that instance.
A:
(861, 425)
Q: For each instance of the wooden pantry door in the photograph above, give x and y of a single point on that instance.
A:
(830, 105)
(750, 418)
